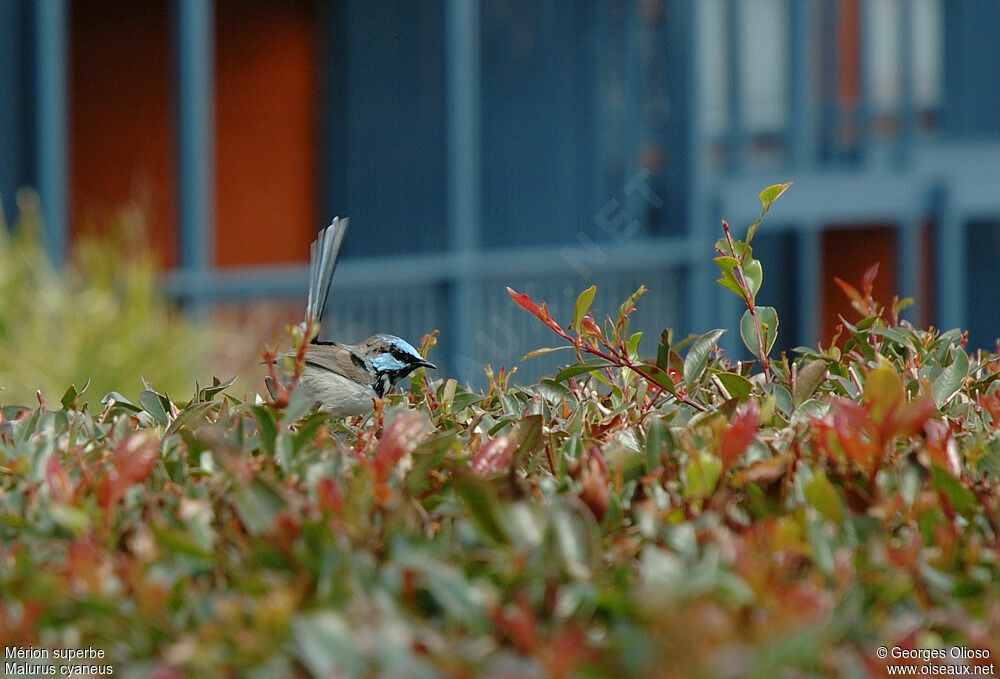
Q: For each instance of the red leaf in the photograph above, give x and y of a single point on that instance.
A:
(911, 417)
(135, 457)
(540, 312)
(992, 405)
(60, 487)
(523, 301)
(328, 496)
(400, 438)
(519, 624)
(741, 431)
(868, 279)
(495, 456)
(849, 290)
(855, 431)
(132, 462)
(594, 481)
(942, 447)
(590, 326)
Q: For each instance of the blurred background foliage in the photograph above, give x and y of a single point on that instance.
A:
(102, 319)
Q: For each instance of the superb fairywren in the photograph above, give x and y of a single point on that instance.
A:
(344, 378)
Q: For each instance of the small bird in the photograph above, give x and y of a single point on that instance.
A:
(344, 378)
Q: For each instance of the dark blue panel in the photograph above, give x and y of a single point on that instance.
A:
(383, 111)
(537, 94)
(15, 104)
(776, 252)
(972, 70)
(983, 255)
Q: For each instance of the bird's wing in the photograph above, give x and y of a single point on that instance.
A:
(323, 256)
(336, 358)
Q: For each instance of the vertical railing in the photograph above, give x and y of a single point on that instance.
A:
(51, 122)
(462, 137)
(802, 129)
(702, 293)
(195, 45)
(803, 82)
(733, 45)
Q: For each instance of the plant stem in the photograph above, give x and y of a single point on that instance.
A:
(624, 362)
(751, 306)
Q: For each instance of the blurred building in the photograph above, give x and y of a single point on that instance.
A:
(543, 145)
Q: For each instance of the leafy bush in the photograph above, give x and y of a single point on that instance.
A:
(99, 320)
(682, 515)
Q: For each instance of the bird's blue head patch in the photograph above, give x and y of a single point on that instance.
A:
(386, 362)
(401, 344)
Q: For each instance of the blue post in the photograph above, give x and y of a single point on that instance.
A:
(736, 137)
(802, 84)
(702, 222)
(866, 105)
(195, 43)
(51, 125)
(907, 106)
(808, 258)
(462, 135)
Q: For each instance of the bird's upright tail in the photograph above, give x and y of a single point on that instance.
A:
(323, 256)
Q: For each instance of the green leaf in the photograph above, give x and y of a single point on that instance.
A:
(663, 348)
(660, 378)
(481, 500)
(737, 385)
(961, 498)
(283, 451)
(69, 398)
(209, 393)
(543, 351)
(659, 443)
(727, 265)
(824, 497)
(697, 357)
(299, 403)
(740, 250)
(753, 273)
(768, 319)
(571, 539)
(266, 425)
(949, 382)
(528, 433)
(632, 345)
(190, 416)
(554, 392)
(771, 194)
(587, 366)
(120, 401)
(426, 456)
(306, 429)
(883, 391)
(582, 306)
(257, 504)
(152, 404)
(767, 198)
(460, 598)
(822, 547)
(325, 645)
(178, 542)
(630, 301)
(701, 474)
(70, 518)
(782, 398)
(808, 377)
(989, 464)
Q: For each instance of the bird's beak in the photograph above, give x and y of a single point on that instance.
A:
(427, 364)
